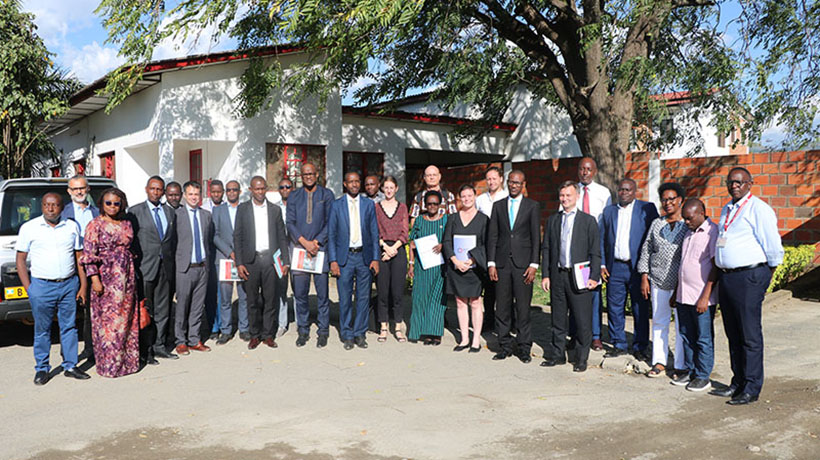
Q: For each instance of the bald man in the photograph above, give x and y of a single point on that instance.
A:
(432, 181)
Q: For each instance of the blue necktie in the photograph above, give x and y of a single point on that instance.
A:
(512, 213)
(197, 239)
(158, 222)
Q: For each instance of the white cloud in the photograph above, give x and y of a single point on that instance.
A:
(92, 61)
(57, 19)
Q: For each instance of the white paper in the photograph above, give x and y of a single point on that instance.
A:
(227, 271)
(302, 261)
(581, 271)
(462, 244)
(427, 257)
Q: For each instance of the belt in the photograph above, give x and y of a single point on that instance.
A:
(562, 269)
(262, 253)
(740, 269)
(622, 261)
(201, 264)
(56, 280)
(355, 250)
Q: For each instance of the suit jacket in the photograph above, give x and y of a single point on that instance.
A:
(522, 242)
(223, 231)
(584, 245)
(297, 217)
(68, 210)
(185, 237)
(643, 213)
(339, 230)
(244, 234)
(148, 248)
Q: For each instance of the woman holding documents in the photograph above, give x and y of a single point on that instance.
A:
(464, 241)
(429, 300)
(391, 215)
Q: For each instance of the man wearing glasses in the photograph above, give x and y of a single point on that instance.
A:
(285, 187)
(748, 250)
(82, 212)
(308, 213)
(224, 225)
(432, 181)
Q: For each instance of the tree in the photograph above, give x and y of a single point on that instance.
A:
(32, 90)
(601, 61)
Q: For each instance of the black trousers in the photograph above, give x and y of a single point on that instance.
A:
(489, 302)
(741, 298)
(88, 342)
(262, 289)
(513, 294)
(157, 294)
(563, 301)
(390, 284)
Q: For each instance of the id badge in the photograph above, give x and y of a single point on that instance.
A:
(721, 242)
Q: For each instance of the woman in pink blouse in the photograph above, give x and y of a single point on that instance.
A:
(392, 219)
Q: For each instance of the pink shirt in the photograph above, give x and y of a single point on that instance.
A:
(697, 252)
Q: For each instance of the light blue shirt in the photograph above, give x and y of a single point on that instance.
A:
(162, 219)
(752, 237)
(83, 216)
(201, 234)
(50, 249)
(514, 204)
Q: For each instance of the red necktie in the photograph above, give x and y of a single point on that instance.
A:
(586, 200)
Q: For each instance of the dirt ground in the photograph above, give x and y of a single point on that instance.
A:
(397, 400)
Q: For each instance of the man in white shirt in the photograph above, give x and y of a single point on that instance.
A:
(55, 246)
(484, 203)
(285, 187)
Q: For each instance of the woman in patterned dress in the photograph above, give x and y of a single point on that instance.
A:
(429, 299)
(109, 264)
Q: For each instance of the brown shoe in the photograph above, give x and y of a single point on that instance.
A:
(254, 342)
(270, 342)
(200, 347)
(182, 349)
(597, 345)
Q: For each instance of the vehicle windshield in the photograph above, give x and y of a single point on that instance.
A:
(23, 204)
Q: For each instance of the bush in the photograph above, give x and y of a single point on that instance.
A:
(795, 262)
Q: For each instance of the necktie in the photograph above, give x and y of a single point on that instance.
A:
(562, 258)
(354, 219)
(197, 239)
(158, 222)
(586, 199)
(512, 213)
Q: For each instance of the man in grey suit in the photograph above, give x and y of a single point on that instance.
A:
(153, 224)
(224, 224)
(194, 230)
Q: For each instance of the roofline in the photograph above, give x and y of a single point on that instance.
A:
(367, 112)
(421, 97)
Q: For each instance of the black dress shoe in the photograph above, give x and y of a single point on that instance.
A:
(41, 378)
(614, 353)
(223, 339)
(728, 392)
(461, 347)
(302, 340)
(214, 336)
(742, 399)
(474, 349)
(579, 367)
(76, 373)
(348, 344)
(525, 357)
(162, 353)
(245, 336)
(151, 361)
(321, 341)
(501, 355)
(360, 341)
(550, 362)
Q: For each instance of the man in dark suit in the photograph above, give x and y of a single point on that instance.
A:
(259, 234)
(307, 217)
(623, 229)
(154, 231)
(194, 232)
(513, 245)
(353, 251)
(570, 237)
(224, 224)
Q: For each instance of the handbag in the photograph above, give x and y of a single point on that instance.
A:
(145, 317)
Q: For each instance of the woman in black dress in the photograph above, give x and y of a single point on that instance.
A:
(465, 266)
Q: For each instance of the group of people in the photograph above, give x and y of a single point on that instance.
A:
(127, 263)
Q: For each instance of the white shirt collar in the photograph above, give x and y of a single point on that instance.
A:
(190, 209)
(629, 206)
(263, 205)
(571, 211)
(352, 199)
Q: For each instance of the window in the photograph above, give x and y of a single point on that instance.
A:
(721, 139)
(107, 165)
(286, 160)
(79, 167)
(195, 165)
(366, 164)
(21, 204)
(55, 171)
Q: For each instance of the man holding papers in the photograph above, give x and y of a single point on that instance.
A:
(570, 241)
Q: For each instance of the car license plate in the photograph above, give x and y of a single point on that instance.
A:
(18, 292)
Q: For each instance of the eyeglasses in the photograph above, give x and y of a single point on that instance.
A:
(284, 187)
(669, 200)
(732, 183)
(77, 189)
(113, 203)
(232, 189)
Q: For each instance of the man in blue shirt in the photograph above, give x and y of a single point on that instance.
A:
(748, 251)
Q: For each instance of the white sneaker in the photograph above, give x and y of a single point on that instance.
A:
(281, 332)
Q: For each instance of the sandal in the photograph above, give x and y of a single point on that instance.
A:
(400, 337)
(383, 334)
(658, 370)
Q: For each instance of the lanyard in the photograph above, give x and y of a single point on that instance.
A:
(734, 216)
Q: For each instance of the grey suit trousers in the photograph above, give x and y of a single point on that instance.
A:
(191, 289)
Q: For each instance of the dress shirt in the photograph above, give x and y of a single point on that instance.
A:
(484, 202)
(260, 224)
(752, 236)
(622, 234)
(162, 218)
(232, 213)
(193, 233)
(599, 198)
(50, 249)
(661, 252)
(697, 252)
(351, 202)
(83, 216)
(567, 224)
(284, 207)
(513, 206)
